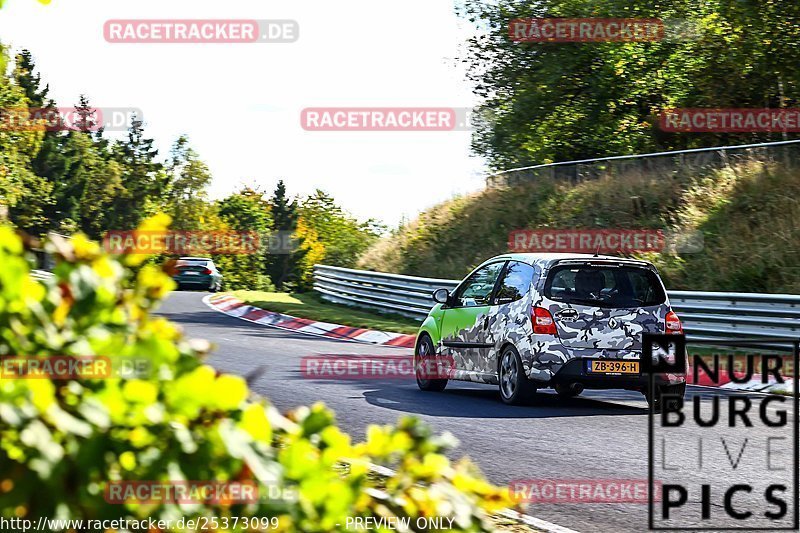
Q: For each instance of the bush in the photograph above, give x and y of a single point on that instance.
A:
(61, 442)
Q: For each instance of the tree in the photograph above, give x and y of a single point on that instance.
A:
(92, 184)
(184, 195)
(47, 162)
(24, 195)
(331, 235)
(564, 101)
(86, 115)
(282, 265)
(247, 211)
(143, 178)
(29, 80)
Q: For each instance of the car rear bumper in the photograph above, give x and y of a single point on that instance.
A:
(201, 280)
(576, 371)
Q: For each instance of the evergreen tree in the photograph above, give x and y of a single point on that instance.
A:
(143, 178)
(24, 195)
(86, 115)
(29, 81)
(54, 162)
(282, 265)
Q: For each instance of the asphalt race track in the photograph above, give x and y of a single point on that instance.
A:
(601, 435)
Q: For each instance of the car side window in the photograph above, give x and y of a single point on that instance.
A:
(477, 288)
(515, 284)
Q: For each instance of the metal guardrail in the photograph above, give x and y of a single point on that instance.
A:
(705, 315)
(41, 275)
(394, 293)
(657, 163)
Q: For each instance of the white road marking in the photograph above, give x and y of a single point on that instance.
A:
(385, 401)
(538, 523)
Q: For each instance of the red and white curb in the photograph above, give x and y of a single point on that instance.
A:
(754, 384)
(232, 306)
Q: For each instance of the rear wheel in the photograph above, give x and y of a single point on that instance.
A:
(514, 385)
(424, 363)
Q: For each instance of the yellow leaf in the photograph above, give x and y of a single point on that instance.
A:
(230, 391)
(83, 247)
(127, 460)
(255, 423)
(137, 390)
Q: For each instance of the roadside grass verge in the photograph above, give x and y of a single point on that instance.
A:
(312, 307)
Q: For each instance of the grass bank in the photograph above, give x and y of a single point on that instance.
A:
(312, 307)
(748, 214)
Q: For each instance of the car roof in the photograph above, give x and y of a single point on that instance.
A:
(549, 259)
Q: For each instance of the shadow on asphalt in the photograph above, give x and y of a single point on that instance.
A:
(484, 402)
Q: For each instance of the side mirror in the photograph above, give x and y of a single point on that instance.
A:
(441, 296)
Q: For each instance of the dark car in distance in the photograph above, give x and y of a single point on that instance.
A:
(198, 273)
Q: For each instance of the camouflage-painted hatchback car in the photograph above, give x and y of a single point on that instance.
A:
(530, 321)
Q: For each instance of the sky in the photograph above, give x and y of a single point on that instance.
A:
(240, 104)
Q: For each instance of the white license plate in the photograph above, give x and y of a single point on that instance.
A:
(191, 273)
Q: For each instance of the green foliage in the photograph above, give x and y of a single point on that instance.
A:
(566, 101)
(344, 237)
(329, 235)
(184, 197)
(143, 178)
(88, 184)
(25, 193)
(246, 210)
(283, 268)
(80, 181)
(62, 441)
(77, 180)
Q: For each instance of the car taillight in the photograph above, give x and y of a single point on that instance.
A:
(206, 271)
(673, 324)
(543, 323)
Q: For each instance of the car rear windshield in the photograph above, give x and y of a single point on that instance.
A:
(604, 286)
(192, 263)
